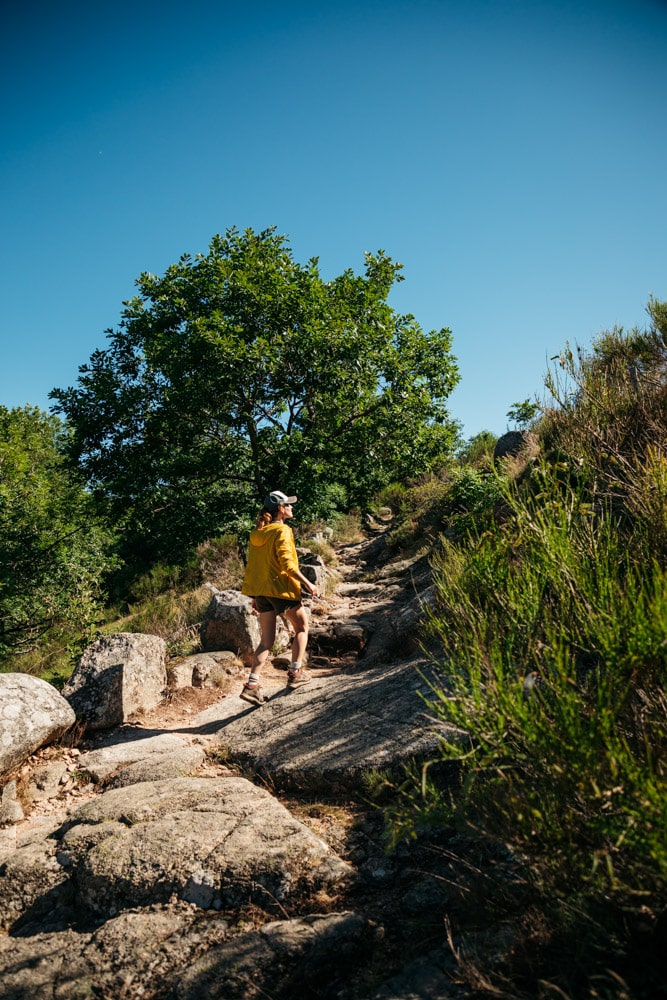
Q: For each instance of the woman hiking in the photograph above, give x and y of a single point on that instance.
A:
(273, 579)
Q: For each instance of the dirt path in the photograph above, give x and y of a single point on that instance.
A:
(346, 599)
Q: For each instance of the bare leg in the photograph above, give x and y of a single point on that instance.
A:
(267, 625)
(299, 621)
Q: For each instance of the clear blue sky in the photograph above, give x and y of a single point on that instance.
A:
(511, 154)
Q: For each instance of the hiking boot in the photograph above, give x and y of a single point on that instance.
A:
(253, 693)
(298, 678)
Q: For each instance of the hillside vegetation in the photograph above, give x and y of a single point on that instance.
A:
(551, 622)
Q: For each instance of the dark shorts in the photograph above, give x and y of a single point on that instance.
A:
(277, 604)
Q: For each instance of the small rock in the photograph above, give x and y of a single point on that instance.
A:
(11, 812)
(9, 792)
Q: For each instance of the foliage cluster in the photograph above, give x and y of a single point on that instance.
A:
(465, 498)
(347, 527)
(478, 450)
(216, 561)
(610, 425)
(553, 631)
(54, 550)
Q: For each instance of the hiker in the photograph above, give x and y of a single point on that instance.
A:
(273, 580)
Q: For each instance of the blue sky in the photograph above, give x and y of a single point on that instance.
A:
(510, 154)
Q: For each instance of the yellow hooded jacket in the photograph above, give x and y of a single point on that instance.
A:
(272, 563)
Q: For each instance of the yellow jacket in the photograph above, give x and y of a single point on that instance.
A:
(272, 563)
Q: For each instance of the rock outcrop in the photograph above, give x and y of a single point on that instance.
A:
(230, 624)
(218, 843)
(32, 714)
(516, 443)
(118, 675)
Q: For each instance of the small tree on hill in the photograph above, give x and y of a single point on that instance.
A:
(240, 371)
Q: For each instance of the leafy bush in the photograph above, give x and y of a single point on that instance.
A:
(554, 663)
(215, 561)
(472, 501)
(218, 561)
(347, 527)
(54, 548)
(418, 511)
(323, 550)
(610, 424)
(478, 450)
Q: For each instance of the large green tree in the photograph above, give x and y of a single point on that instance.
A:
(53, 551)
(240, 371)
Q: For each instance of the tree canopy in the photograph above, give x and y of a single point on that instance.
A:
(241, 370)
(53, 551)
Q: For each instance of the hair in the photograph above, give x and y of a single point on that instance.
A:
(263, 518)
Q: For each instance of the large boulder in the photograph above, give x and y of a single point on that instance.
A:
(517, 443)
(32, 715)
(313, 568)
(117, 676)
(229, 623)
(216, 842)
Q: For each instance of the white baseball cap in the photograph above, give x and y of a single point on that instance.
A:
(273, 500)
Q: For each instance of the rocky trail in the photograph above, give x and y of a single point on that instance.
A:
(208, 848)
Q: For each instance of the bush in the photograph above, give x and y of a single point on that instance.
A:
(418, 511)
(554, 663)
(610, 426)
(323, 550)
(473, 501)
(478, 450)
(219, 562)
(174, 617)
(347, 527)
(55, 551)
(215, 561)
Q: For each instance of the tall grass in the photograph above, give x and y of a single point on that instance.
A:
(552, 625)
(167, 600)
(553, 639)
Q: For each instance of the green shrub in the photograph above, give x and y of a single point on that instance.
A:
(478, 450)
(472, 500)
(218, 561)
(215, 561)
(610, 424)
(322, 549)
(418, 512)
(55, 550)
(347, 527)
(159, 579)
